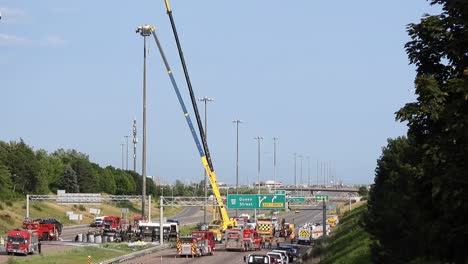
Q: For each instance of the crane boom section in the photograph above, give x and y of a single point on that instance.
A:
(209, 172)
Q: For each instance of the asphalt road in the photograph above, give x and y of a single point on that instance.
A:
(222, 256)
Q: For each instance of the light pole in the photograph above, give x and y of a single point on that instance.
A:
(300, 156)
(308, 171)
(126, 157)
(295, 173)
(205, 100)
(135, 141)
(144, 31)
(317, 173)
(237, 122)
(274, 161)
(258, 168)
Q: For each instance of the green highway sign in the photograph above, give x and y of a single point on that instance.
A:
(296, 199)
(280, 192)
(320, 197)
(256, 201)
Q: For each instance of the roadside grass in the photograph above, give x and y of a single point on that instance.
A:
(12, 214)
(349, 243)
(80, 255)
(186, 229)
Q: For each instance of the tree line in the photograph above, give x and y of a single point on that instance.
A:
(25, 171)
(418, 208)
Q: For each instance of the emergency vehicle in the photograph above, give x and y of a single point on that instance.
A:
(49, 229)
(23, 241)
(304, 235)
(199, 244)
(242, 239)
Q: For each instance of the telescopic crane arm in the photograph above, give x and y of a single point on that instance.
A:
(226, 222)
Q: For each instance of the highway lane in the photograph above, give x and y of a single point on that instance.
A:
(220, 256)
(229, 257)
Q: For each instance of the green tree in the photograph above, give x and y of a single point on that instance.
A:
(70, 180)
(438, 126)
(5, 181)
(394, 213)
(106, 181)
(419, 196)
(363, 191)
(23, 165)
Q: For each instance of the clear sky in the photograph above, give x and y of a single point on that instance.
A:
(325, 77)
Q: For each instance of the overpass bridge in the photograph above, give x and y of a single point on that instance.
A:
(313, 189)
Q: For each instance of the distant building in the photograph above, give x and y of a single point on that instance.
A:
(270, 184)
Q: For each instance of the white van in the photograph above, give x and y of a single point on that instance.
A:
(98, 221)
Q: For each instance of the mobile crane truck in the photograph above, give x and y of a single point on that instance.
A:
(224, 222)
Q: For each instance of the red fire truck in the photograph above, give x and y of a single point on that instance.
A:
(201, 243)
(46, 230)
(111, 224)
(22, 241)
(242, 239)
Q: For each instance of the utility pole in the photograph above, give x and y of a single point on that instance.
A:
(145, 31)
(258, 168)
(324, 223)
(126, 155)
(135, 141)
(274, 161)
(237, 122)
(206, 100)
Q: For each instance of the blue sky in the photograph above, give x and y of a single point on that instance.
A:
(325, 77)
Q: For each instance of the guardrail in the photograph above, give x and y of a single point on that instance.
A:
(135, 254)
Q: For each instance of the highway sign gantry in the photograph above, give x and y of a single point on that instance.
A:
(256, 201)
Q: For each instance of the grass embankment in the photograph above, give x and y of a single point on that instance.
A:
(80, 255)
(187, 229)
(12, 213)
(349, 243)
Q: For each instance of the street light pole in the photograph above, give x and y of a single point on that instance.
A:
(274, 162)
(135, 141)
(302, 183)
(206, 100)
(258, 168)
(295, 173)
(237, 122)
(145, 31)
(308, 171)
